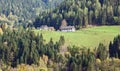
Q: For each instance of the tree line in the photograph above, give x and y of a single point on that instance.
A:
(81, 13)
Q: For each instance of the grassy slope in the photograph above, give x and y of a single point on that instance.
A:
(89, 37)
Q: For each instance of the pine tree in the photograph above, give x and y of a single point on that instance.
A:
(102, 52)
(61, 40)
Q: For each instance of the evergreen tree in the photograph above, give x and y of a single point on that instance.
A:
(102, 52)
(61, 40)
(114, 48)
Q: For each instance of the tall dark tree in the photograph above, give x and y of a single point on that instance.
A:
(114, 48)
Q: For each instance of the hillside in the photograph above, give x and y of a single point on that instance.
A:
(59, 35)
(81, 13)
(26, 9)
(89, 37)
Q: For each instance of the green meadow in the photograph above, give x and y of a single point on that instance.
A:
(87, 37)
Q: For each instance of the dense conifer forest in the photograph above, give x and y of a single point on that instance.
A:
(81, 13)
(26, 9)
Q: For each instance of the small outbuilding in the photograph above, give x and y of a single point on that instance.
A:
(45, 27)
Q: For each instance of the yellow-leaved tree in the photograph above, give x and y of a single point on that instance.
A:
(1, 31)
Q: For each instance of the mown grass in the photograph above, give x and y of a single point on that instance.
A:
(88, 37)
